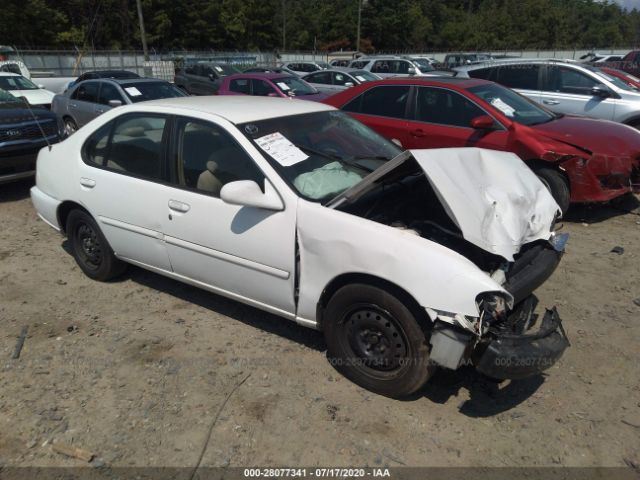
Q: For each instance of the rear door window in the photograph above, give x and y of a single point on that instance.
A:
(86, 92)
(521, 76)
(240, 85)
(445, 107)
(384, 101)
(131, 144)
(261, 88)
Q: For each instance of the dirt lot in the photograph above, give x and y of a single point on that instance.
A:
(137, 370)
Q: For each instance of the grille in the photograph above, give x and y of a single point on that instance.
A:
(27, 131)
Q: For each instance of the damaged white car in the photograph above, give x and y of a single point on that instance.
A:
(405, 260)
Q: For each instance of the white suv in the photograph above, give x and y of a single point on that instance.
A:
(392, 66)
(564, 87)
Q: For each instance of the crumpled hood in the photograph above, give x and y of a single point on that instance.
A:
(595, 135)
(493, 197)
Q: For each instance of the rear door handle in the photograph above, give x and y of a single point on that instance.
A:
(550, 102)
(418, 132)
(87, 182)
(99, 110)
(177, 206)
(73, 105)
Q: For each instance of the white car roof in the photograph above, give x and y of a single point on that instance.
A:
(241, 108)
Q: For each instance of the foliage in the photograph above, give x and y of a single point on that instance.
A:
(391, 25)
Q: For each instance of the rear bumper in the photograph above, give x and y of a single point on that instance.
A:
(524, 354)
(46, 206)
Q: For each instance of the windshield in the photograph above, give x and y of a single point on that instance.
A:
(322, 154)
(143, 91)
(423, 64)
(615, 80)
(16, 82)
(364, 76)
(293, 86)
(512, 105)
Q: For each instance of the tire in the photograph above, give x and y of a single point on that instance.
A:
(374, 340)
(557, 185)
(90, 249)
(70, 126)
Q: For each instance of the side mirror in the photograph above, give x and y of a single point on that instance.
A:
(396, 142)
(411, 71)
(483, 122)
(600, 90)
(40, 85)
(348, 84)
(247, 193)
(115, 103)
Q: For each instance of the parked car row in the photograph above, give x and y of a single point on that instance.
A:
(354, 194)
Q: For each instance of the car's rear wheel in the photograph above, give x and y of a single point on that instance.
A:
(90, 248)
(557, 185)
(70, 127)
(374, 339)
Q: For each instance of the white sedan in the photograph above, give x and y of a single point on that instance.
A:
(20, 86)
(405, 260)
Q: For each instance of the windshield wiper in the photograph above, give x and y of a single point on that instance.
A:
(330, 156)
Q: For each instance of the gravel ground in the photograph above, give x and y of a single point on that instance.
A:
(139, 370)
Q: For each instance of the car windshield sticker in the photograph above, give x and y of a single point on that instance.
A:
(503, 107)
(283, 86)
(360, 78)
(132, 91)
(281, 149)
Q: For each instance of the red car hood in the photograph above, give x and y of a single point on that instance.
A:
(596, 136)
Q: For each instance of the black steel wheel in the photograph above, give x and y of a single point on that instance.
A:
(90, 248)
(374, 339)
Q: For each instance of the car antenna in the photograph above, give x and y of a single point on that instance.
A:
(26, 102)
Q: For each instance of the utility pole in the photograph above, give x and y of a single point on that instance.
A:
(142, 33)
(284, 25)
(359, 17)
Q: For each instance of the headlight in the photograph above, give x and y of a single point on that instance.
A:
(493, 306)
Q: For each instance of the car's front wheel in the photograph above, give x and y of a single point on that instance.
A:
(90, 248)
(557, 185)
(375, 340)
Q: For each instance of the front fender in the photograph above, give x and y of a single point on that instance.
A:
(333, 243)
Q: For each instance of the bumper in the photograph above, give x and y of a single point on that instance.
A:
(46, 206)
(522, 354)
(600, 179)
(532, 267)
(16, 166)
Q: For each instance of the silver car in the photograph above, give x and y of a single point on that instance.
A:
(338, 79)
(564, 87)
(90, 98)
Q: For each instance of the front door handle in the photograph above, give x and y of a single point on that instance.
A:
(550, 102)
(73, 105)
(99, 110)
(177, 206)
(87, 182)
(418, 132)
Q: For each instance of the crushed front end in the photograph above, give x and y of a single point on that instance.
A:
(503, 342)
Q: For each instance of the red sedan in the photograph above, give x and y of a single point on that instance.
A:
(578, 158)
